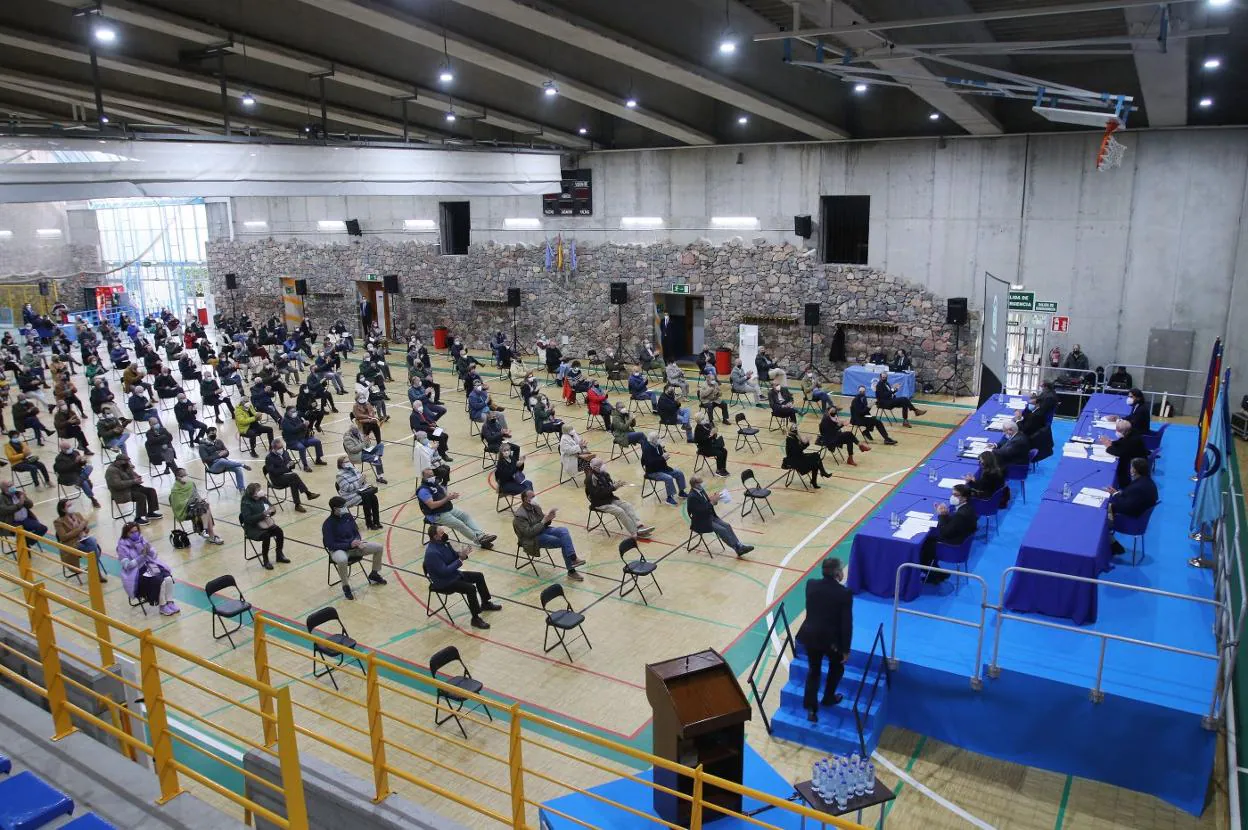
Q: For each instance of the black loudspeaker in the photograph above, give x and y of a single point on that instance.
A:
(301, 288)
(353, 227)
(44, 288)
(619, 293)
(513, 297)
(955, 311)
(802, 226)
(812, 314)
(231, 281)
(391, 282)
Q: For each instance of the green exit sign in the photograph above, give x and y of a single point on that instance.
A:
(680, 288)
(1022, 300)
(1046, 307)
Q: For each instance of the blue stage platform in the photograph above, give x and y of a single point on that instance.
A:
(1145, 735)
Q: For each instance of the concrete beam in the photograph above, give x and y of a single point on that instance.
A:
(553, 22)
(157, 20)
(1163, 75)
(88, 102)
(415, 30)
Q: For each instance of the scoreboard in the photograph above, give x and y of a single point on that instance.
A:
(575, 196)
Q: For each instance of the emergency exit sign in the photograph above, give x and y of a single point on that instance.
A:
(680, 288)
(1022, 301)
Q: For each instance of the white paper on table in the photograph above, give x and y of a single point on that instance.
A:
(1104, 459)
(1016, 403)
(1104, 423)
(1075, 450)
(1096, 492)
(948, 483)
(919, 515)
(1088, 500)
(1100, 451)
(910, 528)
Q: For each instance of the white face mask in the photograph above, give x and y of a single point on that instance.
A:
(954, 501)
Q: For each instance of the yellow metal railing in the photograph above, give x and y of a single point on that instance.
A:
(364, 725)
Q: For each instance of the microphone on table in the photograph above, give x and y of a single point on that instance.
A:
(910, 505)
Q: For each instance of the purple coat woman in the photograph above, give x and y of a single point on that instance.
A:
(143, 575)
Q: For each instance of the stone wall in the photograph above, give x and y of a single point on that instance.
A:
(736, 280)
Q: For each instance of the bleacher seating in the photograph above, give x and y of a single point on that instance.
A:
(28, 802)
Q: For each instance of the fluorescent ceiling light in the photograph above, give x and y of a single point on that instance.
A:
(255, 223)
(641, 222)
(48, 233)
(1219, 3)
(105, 33)
(631, 103)
(1206, 102)
(1213, 63)
(860, 88)
(735, 221)
(934, 116)
(727, 46)
(446, 75)
(248, 100)
(743, 120)
(419, 225)
(550, 89)
(6, 234)
(583, 131)
(522, 223)
(331, 225)
(450, 115)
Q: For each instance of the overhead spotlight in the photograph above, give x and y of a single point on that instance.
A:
(450, 115)
(934, 116)
(631, 103)
(1213, 63)
(550, 89)
(1219, 3)
(248, 100)
(446, 75)
(103, 119)
(583, 131)
(1205, 103)
(743, 120)
(727, 45)
(860, 88)
(105, 33)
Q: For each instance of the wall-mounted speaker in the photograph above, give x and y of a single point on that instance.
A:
(45, 288)
(231, 281)
(391, 282)
(619, 293)
(353, 227)
(955, 311)
(301, 288)
(513, 297)
(802, 226)
(812, 314)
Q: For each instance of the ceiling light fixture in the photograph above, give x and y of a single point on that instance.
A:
(631, 103)
(248, 100)
(446, 75)
(728, 41)
(1213, 63)
(641, 221)
(1217, 4)
(935, 116)
(583, 130)
(103, 119)
(743, 120)
(550, 89)
(1205, 103)
(105, 33)
(860, 88)
(450, 115)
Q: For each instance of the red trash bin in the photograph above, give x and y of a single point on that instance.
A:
(439, 337)
(723, 361)
(202, 314)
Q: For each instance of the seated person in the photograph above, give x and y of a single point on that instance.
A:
(111, 431)
(255, 514)
(1127, 446)
(297, 434)
(624, 428)
(1135, 499)
(425, 456)
(125, 485)
(1120, 378)
(781, 400)
(613, 366)
(188, 505)
(860, 416)
(637, 388)
(1035, 425)
(187, 420)
(166, 384)
(280, 470)
(535, 530)
(1139, 417)
(341, 537)
(672, 413)
(492, 432)
(710, 394)
(877, 358)
(646, 357)
(814, 391)
(768, 368)
(1014, 448)
(143, 575)
(574, 454)
(796, 458)
(444, 567)
(73, 470)
(140, 407)
(596, 404)
(362, 450)
(439, 508)
(656, 466)
(158, 442)
(509, 472)
(955, 523)
(900, 362)
(988, 478)
(419, 421)
(676, 377)
(886, 397)
(352, 487)
(703, 519)
(832, 435)
(744, 380)
(600, 490)
(248, 423)
(26, 416)
(22, 460)
(73, 530)
(710, 444)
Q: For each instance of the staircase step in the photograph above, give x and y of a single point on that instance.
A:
(833, 738)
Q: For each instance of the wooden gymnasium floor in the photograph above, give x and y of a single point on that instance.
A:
(705, 602)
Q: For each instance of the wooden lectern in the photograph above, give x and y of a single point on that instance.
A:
(699, 718)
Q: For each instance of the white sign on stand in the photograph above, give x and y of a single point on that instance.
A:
(747, 346)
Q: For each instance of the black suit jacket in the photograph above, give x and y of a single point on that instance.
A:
(1141, 419)
(701, 511)
(1124, 449)
(956, 526)
(1013, 451)
(829, 623)
(1135, 498)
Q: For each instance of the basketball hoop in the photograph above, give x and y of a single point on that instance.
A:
(1110, 154)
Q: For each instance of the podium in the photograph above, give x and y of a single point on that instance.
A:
(699, 718)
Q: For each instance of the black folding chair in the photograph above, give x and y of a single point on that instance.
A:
(635, 570)
(442, 595)
(596, 513)
(747, 435)
(225, 608)
(455, 704)
(321, 655)
(752, 494)
(561, 621)
(697, 539)
(354, 557)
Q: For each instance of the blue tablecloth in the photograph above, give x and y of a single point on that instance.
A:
(876, 553)
(918, 485)
(855, 376)
(1079, 473)
(1064, 538)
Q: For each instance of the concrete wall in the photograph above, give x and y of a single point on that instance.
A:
(25, 254)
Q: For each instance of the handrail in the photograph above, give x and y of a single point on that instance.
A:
(780, 616)
(875, 685)
(1096, 694)
(976, 680)
(1103, 385)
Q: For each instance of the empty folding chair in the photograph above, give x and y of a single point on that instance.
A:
(561, 621)
(635, 570)
(455, 705)
(747, 435)
(225, 608)
(752, 494)
(322, 654)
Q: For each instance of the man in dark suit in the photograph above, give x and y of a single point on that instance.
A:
(702, 517)
(955, 523)
(827, 631)
(1127, 446)
(1138, 496)
(1014, 449)
(1033, 423)
(860, 416)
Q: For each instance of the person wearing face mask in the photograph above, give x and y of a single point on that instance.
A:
(186, 417)
(1125, 447)
(216, 458)
(656, 467)
(1014, 448)
(143, 575)
(425, 457)
(255, 514)
(827, 632)
(125, 485)
(676, 377)
(832, 434)
(443, 564)
(509, 472)
(703, 519)
(1120, 379)
(278, 467)
(886, 397)
(351, 485)
(1033, 423)
(373, 393)
(955, 523)
(73, 470)
(601, 489)
(419, 421)
(22, 460)
(248, 423)
(16, 508)
(743, 380)
(159, 445)
(860, 416)
(438, 507)
(341, 537)
(360, 451)
(73, 530)
(188, 505)
(310, 406)
(813, 391)
(638, 389)
(781, 401)
(1139, 417)
(211, 394)
(534, 531)
(544, 419)
(711, 396)
(1078, 362)
(988, 478)
(365, 417)
(26, 416)
(1138, 496)
(298, 436)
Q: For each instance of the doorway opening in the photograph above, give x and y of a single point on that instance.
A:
(373, 307)
(679, 325)
(1024, 350)
(454, 222)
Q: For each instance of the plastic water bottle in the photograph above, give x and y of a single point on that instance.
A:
(860, 779)
(1065, 491)
(894, 520)
(870, 777)
(819, 778)
(983, 421)
(931, 473)
(1096, 415)
(842, 792)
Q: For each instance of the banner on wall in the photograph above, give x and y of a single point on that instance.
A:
(747, 347)
(993, 353)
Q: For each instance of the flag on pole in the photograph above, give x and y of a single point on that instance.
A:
(572, 255)
(550, 256)
(559, 252)
(1208, 506)
(1209, 399)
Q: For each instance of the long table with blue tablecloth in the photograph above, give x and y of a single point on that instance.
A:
(855, 376)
